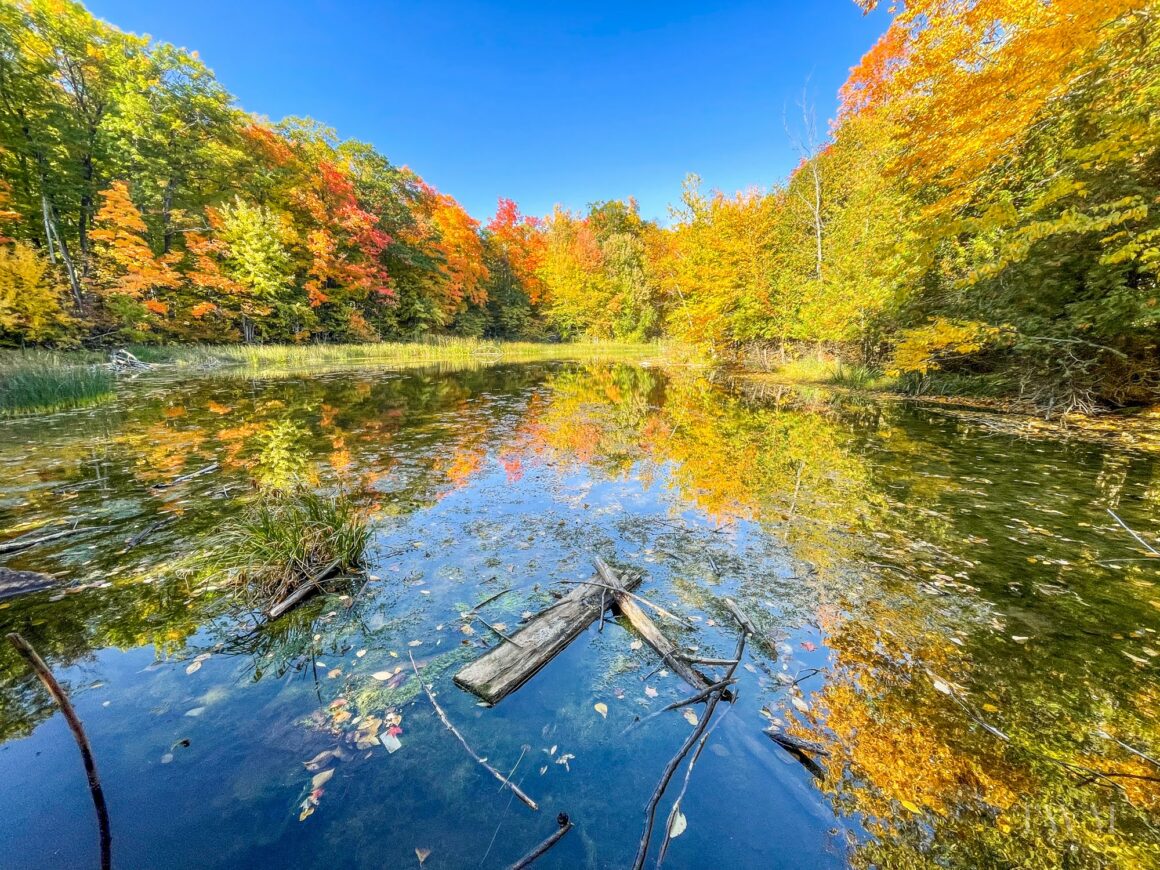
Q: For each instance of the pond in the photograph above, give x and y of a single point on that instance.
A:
(943, 601)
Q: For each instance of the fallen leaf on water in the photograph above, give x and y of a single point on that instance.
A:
(809, 646)
(602, 709)
(382, 675)
(166, 758)
(912, 807)
(415, 643)
(334, 672)
(392, 742)
(678, 825)
(320, 779)
(800, 704)
(690, 716)
(750, 668)
(196, 666)
(361, 653)
(636, 644)
(543, 770)
(650, 691)
(196, 711)
(422, 854)
(564, 759)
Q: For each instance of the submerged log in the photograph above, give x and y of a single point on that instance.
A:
(13, 583)
(648, 630)
(503, 669)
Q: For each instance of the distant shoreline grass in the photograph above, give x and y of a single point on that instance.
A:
(307, 357)
(814, 371)
(40, 382)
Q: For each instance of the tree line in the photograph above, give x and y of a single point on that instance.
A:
(984, 208)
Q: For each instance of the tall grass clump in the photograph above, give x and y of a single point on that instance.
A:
(289, 538)
(857, 377)
(37, 383)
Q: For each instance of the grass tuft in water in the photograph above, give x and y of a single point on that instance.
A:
(37, 383)
(289, 536)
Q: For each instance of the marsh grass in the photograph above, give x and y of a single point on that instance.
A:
(38, 382)
(311, 357)
(811, 370)
(287, 537)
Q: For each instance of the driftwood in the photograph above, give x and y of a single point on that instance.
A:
(482, 761)
(801, 750)
(309, 587)
(19, 544)
(136, 539)
(13, 583)
(744, 621)
(694, 698)
(122, 359)
(674, 763)
(59, 695)
(676, 808)
(213, 466)
(504, 668)
(489, 599)
(565, 825)
(648, 630)
(650, 604)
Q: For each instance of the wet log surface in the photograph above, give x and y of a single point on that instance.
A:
(504, 668)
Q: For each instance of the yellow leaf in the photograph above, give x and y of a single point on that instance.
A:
(602, 709)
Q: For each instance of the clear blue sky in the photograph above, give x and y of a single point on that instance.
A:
(545, 102)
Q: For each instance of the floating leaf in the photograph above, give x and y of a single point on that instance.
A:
(414, 643)
(690, 716)
(390, 741)
(914, 808)
(602, 709)
(320, 779)
(650, 691)
(636, 644)
(382, 675)
(166, 758)
(361, 653)
(196, 711)
(422, 854)
(800, 704)
(678, 825)
(193, 668)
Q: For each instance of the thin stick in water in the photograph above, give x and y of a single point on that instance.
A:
(565, 826)
(59, 695)
(482, 761)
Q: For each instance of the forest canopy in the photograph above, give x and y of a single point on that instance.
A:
(985, 206)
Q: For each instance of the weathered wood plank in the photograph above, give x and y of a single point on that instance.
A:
(504, 668)
(648, 630)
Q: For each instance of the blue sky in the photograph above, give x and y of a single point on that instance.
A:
(544, 102)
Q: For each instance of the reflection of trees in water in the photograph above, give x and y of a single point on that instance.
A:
(829, 478)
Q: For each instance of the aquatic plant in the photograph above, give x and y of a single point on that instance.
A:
(36, 383)
(290, 537)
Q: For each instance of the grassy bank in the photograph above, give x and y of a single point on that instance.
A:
(314, 356)
(36, 382)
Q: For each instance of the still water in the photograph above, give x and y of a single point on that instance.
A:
(946, 607)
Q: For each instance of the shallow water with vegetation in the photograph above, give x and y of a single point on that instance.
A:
(944, 604)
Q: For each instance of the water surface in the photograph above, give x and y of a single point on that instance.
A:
(945, 603)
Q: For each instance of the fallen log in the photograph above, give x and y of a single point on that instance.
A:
(309, 586)
(800, 750)
(648, 630)
(531, 804)
(504, 668)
